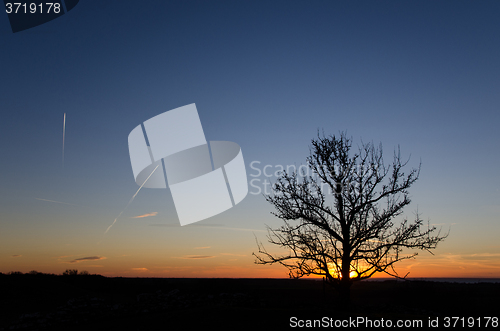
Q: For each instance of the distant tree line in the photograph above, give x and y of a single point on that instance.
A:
(68, 272)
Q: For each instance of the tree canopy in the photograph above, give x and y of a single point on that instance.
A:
(341, 222)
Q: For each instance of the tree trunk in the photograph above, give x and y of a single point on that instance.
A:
(345, 294)
(345, 281)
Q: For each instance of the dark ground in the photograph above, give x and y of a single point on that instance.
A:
(51, 302)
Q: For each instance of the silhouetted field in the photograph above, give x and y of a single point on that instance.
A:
(92, 302)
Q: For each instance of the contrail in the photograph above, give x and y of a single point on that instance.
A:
(72, 204)
(64, 135)
(130, 200)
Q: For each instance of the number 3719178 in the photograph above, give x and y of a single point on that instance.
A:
(33, 8)
(470, 322)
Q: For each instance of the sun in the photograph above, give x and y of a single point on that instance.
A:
(336, 274)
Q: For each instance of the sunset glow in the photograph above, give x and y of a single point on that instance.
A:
(268, 76)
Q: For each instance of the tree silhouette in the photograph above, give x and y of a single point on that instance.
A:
(350, 232)
(70, 272)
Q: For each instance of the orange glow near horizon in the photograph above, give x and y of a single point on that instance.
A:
(251, 271)
(204, 263)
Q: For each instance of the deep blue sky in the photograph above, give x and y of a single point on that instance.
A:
(265, 74)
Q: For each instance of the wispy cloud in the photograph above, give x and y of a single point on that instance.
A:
(197, 257)
(475, 261)
(140, 269)
(218, 226)
(190, 225)
(474, 256)
(436, 224)
(16, 255)
(413, 265)
(481, 256)
(146, 215)
(243, 229)
(166, 225)
(87, 258)
(64, 203)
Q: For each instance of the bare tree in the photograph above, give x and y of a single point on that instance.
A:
(70, 272)
(349, 232)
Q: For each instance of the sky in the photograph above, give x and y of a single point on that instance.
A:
(424, 75)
